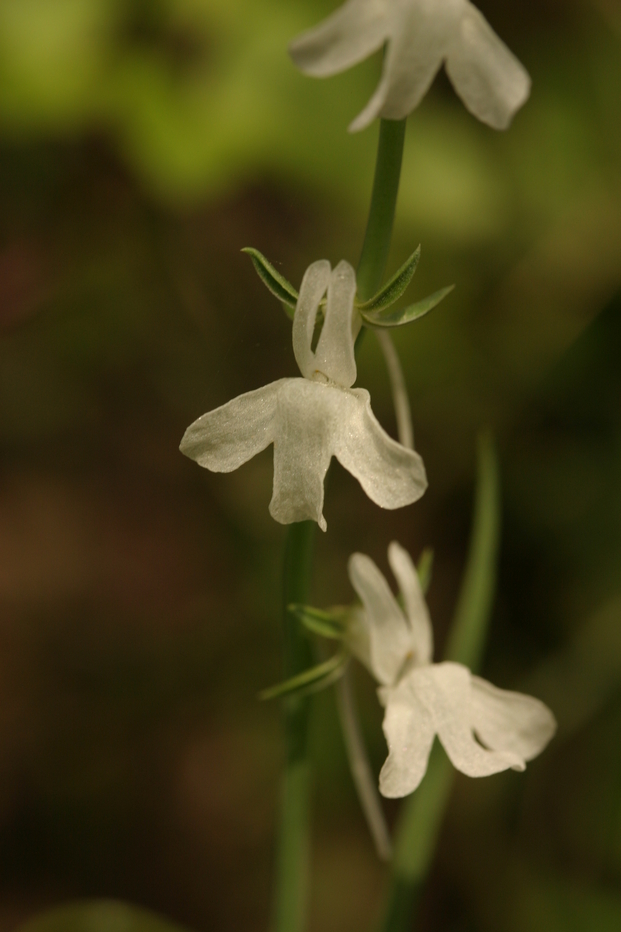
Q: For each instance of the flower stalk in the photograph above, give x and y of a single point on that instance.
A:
(291, 881)
(378, 233)
(363, 777)
(401, 401)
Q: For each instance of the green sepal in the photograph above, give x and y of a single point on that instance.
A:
(326, 624)
(393, 289)
(424, 568)
(405, 315)
(273, 280)
(310, 681)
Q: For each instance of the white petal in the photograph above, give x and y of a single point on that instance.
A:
(415, 606)
(303, 446)
(509, 721)
(419, 37)
(312, 290)
(353, 32)
(223, 439)
(391, 475)
(445, 691)
(409, 734)
(334, 356)
(389, 637)
(487, 76)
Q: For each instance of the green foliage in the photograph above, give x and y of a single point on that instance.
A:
(99, 916)
(394, 288)
(310, 681)
(329, 624)
(424, 568)
(273, 280)
(469, 627)
(375, 313)
(401, 316)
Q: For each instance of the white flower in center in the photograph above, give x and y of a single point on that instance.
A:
(312, 419)
(421, 35)
(483, 729)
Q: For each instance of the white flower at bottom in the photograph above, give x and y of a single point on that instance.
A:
(421, 35)
(311, 419)
(483, 729)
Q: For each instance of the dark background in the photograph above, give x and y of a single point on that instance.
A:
(142, 145)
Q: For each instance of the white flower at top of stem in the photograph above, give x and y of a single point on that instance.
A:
(311, 419)
(483, 729)
(421, 36)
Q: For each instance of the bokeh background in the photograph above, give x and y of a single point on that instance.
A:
(143, 143)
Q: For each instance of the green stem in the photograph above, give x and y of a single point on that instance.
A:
(291, 882)
(417, 832)
(382, 211)
(466, 638)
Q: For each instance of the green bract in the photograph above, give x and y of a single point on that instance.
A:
(424, 568)
(393, 289)
(405, 315)
(374, 312)
(326, 624)
(273, 280)
(310, 681)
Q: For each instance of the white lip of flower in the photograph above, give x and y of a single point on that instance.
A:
(483, 729)
(311, 419)
(421, 35)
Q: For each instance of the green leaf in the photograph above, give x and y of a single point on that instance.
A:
(424, 568)
(277, 283)
(99, 916)
(393, 289)
(469, 627)
(405, 315)
(310, 681)
(326, 624)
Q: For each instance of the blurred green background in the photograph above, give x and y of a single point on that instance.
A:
(143, 143)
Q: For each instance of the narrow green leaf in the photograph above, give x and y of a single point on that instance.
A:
(273, 280)
(424, 568)
(405, 315)
(310, 681)
(393, 289)
(469, 627)
(326, 624)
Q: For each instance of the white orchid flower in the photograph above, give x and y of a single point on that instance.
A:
(421, 35)
(311, 419)
(483, 729)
